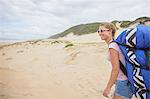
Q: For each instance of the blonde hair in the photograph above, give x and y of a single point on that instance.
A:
(109, 26)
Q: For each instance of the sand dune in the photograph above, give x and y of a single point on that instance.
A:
(53, 69)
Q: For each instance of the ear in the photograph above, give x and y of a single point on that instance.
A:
(111, 30)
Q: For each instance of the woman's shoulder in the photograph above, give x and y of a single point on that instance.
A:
(114, 45)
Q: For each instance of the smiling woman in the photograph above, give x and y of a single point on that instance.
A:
(107, 29)
(114, 56)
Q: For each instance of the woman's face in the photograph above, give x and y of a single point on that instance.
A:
(104, 33)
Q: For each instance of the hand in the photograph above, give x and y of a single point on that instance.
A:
(106, 92)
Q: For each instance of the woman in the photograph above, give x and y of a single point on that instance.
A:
(122, 89)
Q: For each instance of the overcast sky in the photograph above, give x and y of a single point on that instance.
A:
(25, 19)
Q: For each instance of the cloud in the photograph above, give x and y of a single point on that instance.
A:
(43, 18)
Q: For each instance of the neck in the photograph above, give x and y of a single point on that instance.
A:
(108, 40)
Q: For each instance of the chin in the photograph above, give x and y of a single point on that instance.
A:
(102, 38)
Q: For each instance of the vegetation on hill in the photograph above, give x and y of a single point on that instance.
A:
(92, 27)
(80, 30)
(125, 24)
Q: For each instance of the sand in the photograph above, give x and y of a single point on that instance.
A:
(53, 69)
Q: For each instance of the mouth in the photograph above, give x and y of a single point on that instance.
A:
(101, 35)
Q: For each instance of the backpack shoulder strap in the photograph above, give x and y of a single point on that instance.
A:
(123, 69)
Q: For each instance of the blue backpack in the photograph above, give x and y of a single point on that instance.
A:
(135, 46)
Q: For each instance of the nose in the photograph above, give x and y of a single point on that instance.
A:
(99, 32)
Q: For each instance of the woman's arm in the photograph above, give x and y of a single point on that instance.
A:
(114, 58)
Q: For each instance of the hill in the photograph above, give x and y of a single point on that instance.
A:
(92, 27)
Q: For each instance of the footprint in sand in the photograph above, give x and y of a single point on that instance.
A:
(3, 54)
(2, 96)
(2, 84)
(28, 94)
(84, 95)
(92, 91)
(9, 58)
(35, 59)
(21, 51)
(80, 86)
(72, 57)
(58, 82)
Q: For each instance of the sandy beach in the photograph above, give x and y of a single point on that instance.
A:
(53, 69)
(52, 49)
